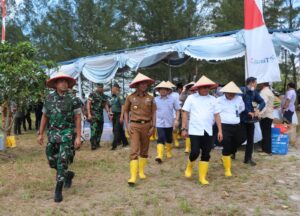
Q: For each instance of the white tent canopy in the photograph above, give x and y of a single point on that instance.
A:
(224, 46)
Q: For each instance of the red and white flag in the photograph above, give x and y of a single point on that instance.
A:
(261, 60)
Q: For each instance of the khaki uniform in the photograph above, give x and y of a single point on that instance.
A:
(141, 108)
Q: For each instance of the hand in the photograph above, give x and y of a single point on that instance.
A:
(40, 139)
(220, 136)
(184, 134)
(90, 117)
(175, 125)
(77, 142)
(256, 113)
(151, 131)
(251, 114)
(121, 120)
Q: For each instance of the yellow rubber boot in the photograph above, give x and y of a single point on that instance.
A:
(160, 153)
(169, 150)
(227, 165)
(189, 169)
(127, 134)
(176, 142)
(203, 167)
(155, 134)
(142, 164)
(187, 145)
(133, 172)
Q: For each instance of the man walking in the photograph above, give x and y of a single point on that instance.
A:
(61, 113)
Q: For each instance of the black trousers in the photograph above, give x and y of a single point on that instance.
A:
(231, 138)
(17, 125)
(118, 131)
(266, 127)
(248, 128)
(203, 144)
(165, 135)
(38, 118)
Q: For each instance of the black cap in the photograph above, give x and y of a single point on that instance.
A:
(250, 80)
(179, 85)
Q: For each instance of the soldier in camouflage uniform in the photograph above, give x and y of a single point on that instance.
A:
(117, 103)
(61, 114)
(95, 104)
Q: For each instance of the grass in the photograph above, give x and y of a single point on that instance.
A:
(100, 185)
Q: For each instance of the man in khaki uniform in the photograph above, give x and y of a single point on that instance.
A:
(142, 118)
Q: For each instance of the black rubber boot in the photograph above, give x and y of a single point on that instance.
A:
(68, 182)
(58, 192)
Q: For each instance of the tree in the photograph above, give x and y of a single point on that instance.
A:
(22, 77)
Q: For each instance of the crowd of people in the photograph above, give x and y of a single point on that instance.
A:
(201, 113)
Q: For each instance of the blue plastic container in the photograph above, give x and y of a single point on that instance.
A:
(280, 144)
(1, 143)
(275, 131)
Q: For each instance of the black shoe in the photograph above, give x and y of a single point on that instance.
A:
(233, 156)
(58, 192)
(113, 148)
(68, 182)
(250, 162)
(158, 160)
(125, 145)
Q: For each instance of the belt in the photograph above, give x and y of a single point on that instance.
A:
(140, 121)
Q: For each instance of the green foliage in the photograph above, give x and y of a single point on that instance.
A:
(22, 76)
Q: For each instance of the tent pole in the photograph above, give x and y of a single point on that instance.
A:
(170, 71)
(123, 83)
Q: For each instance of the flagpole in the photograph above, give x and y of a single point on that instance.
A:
(3, 20)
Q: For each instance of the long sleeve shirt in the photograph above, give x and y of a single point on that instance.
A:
(249, 97)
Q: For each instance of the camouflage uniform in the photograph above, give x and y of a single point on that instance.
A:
(98, 101)
(116, 107)
(60, 110)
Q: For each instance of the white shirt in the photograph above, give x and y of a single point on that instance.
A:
(230, 110)
(175, 95)
(164, 111)
(202, 110)
(268, 97)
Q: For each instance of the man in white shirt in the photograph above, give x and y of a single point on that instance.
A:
(164, 120)
(231, 106)
(203, 111)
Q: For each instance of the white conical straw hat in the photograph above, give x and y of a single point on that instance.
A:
(60, 75)
(171, 84)
(140, 78)
(231, 88)
(189, 84)
(204, 81)
(163, 84)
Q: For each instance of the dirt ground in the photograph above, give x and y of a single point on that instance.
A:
(100, 186)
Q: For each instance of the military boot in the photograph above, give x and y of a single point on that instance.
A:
(68, 182)
(58, 192)
(93, 144)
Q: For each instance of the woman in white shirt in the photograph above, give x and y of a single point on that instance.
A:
(231, 106)
(203, 112)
